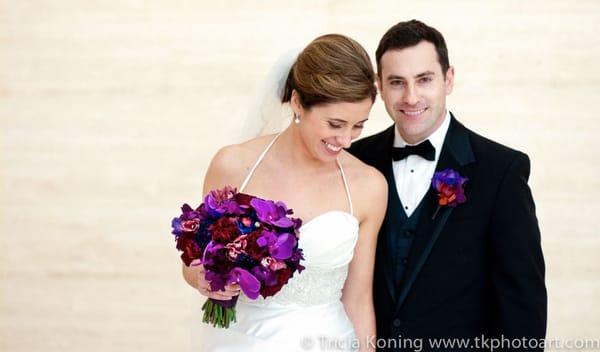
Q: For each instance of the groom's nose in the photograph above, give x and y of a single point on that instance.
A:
(410, 95)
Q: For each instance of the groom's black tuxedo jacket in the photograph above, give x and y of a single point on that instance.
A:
(473, 270)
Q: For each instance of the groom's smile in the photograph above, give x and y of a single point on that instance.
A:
(413, 113)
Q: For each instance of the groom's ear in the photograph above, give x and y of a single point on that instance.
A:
(449, 80)
(378, 83)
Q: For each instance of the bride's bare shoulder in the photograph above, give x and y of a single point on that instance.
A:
(231, 163)
(369, 183)
(243, 153)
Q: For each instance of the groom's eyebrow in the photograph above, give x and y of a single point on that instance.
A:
(426, 73)
(420, 75)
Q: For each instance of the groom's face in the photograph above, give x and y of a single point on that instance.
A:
(414, 89)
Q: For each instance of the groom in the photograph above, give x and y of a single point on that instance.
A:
(472, 269)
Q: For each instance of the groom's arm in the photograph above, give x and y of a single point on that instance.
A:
(517, 266)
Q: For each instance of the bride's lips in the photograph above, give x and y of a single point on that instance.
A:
(332, 148)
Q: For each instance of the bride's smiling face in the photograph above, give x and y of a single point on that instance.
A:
(326, 129)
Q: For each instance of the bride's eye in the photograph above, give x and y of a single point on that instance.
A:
(334, 125)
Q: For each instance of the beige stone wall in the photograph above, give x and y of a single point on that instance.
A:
(111, 110)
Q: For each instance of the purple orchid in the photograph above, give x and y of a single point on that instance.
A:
(222, 201)
(248, 283)
(272, 213)
(210, 252)
(217, 281)
(280, 246)
(265, 275)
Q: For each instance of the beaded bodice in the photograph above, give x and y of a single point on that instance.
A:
(328, 244)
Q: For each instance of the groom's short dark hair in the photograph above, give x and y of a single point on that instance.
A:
(410, 33)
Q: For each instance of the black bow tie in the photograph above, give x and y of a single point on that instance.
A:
(424, 149)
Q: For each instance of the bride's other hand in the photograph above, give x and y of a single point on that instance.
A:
(195, 276)
(204, 288)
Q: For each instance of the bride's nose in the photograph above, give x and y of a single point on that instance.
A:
(345, 139)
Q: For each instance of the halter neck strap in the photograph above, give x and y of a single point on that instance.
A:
(262, 156)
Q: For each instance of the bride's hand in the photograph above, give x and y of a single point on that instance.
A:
(204, 288)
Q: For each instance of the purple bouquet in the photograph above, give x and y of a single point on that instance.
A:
(239, 239)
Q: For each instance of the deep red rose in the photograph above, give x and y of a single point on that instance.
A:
(224, 230)
(243, 199)
(283, 276)
(189, 248)
(253, 249)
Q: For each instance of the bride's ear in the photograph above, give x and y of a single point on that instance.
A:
(295, 103)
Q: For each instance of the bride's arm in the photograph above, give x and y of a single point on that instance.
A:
(219, 174)
(357, 294)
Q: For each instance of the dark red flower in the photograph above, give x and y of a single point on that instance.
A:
(243, 199)
(255, 251)
(224, 230)
(189, 248)
(283, 276)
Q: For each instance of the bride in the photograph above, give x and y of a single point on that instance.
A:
(328, 306)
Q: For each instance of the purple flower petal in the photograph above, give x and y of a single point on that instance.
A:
(283, 222)
(248, 283)
(449, 182)
(217, 281)
(266, 239)
(268, 277)
(209, 252)
(271, 212)
(176, 225)
(282, 248)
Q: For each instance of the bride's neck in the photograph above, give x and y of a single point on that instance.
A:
(294, 150)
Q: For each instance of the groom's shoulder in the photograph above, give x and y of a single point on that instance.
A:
(371, 143)
(485, 148)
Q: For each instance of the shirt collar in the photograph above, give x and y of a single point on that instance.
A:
(436, 138)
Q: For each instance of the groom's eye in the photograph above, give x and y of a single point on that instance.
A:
(426, 79)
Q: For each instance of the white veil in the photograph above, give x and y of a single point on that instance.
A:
(267, 114)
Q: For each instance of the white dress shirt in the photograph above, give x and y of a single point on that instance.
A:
(413, 174)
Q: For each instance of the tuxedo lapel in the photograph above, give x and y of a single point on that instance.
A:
(456, 153)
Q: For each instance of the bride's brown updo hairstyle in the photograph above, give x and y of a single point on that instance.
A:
(332, 68)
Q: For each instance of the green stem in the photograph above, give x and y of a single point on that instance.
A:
(217, 315)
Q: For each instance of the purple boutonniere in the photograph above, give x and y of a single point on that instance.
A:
(450, 187)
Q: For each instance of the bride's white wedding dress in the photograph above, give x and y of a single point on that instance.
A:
(307, 314)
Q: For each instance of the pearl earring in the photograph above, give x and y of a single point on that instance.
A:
(296, 118)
